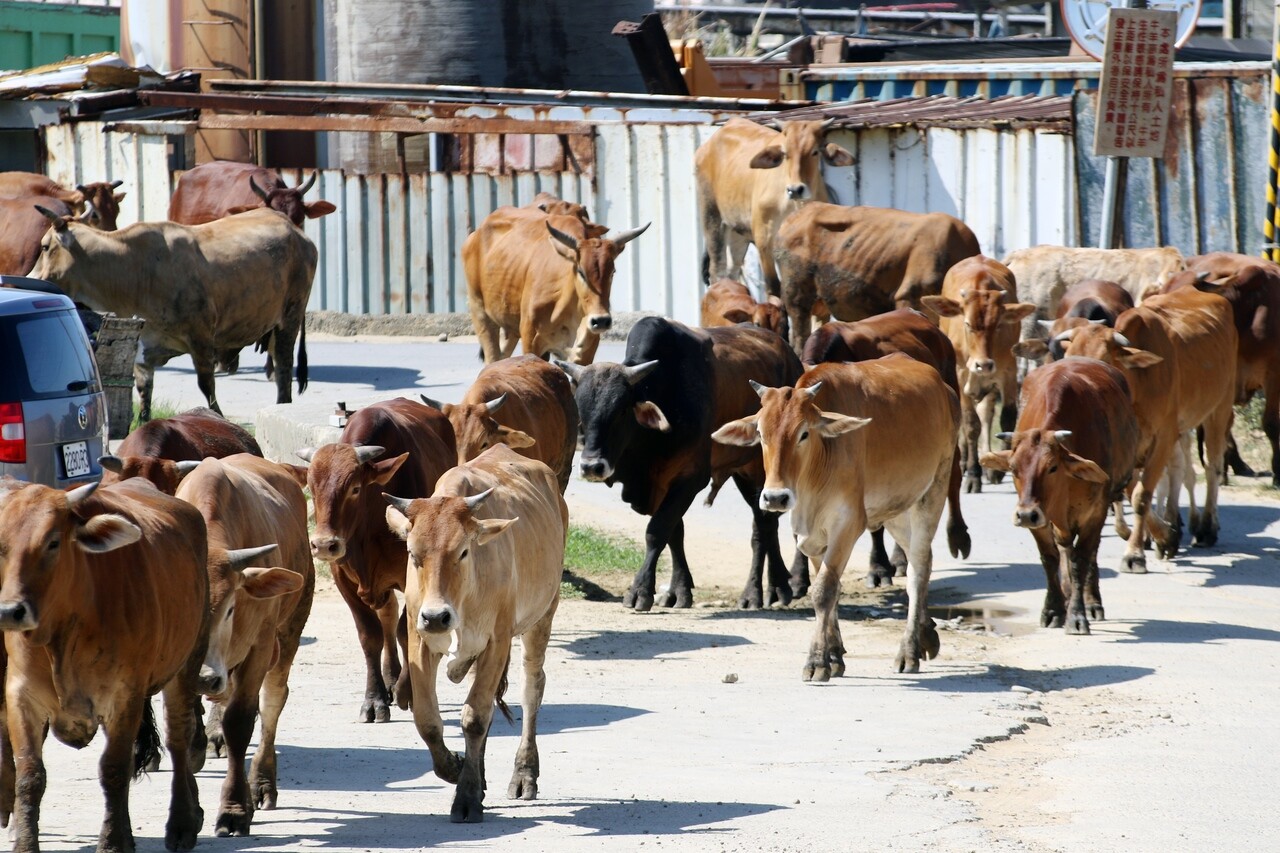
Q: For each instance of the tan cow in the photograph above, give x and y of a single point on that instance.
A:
(750, 177)
(863, 261)
(256, 515)
(486, 552)
(542, 280)
(978, 313)
(104, 602)
(852, 447)
(201, 289)
(728, 302)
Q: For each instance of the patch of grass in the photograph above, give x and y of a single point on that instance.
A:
(159, 409)
(589, 551)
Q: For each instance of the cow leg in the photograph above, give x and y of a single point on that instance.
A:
(389, 619)
(680, 590)
(403, 692)
(879, 569)
(524, 780)
(115, 772)
(970, 429)
(958, 541)
(1054, 612)
(8, 775)
(738, 245)
(585, 345)
(144, 379)
(1077, 562)
(713, 234)
(657, 535)
(446, 763)
(764, 548)
(275, 693)
(986, 416)
(27, 727)
(204, 379)
(799, 575)
(376, 706)
(1235, 461)
(1204, 532)
(477, 714)
(281, 349)
(1121, 526)
(186, 818)
(1134, 560)
(1271, 422)
(236, 810)
(917, 529)
(826, 649)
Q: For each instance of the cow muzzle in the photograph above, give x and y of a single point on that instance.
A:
(328, 548)
(797, 192)
(437, 620)
(1028, 517)
(212, 681)
(600, 322)
(18, 616)
(595, 469)
(985, 366)
(777, 500)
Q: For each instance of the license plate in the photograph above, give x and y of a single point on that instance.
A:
(75, 458)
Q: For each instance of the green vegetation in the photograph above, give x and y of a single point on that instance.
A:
(591, 553)
(159, 409)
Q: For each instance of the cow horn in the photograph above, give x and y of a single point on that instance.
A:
(1005, 436)
(75, 496)
(758, 388)
(826, 123)
(257, 190)
(1065, 336)
(240, 558)
(1047, 324)
(401, 504)
(305, 453)
(186, 466)
(435, 404)
(639, 371)
(622, 238)
(80, 188)
(567, 239)
(49, 214)
(574, 370)
(111, 462)
(1061, 434)
(1100, 321)
(475, 500)
(1120, 340)
(495, 404)
(812, 390)
(369, 453)
(964, 292)
(1202, 276)
(311, 182)
(774, 124)
(116, 184)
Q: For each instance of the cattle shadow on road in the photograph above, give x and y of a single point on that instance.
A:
(555, 718)
(999, 679)
(377, 378)
(1174, 631)
(643, 644)
(345, 768)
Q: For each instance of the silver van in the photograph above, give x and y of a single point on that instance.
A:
(53, 413)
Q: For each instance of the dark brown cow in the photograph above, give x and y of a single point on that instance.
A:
(105, 601)
(728, 302)
(24, 228)
(863, 261)
(165, 450)
(1072, 453)
(101, 204)
(397, 446)
(904, 330)
(213, 190)
(256, 515)
(524, 403)
(1092, 300)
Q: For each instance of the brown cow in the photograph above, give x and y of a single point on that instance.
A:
(104, 602)
(1174, 349)
(25, 184)
(486, 551)
(904, 330)
(1092, 300)
(524, 403)
(25, 225)
(256, 515)
(862, 261)
(841, 479)
(1073, 452)
(978, 313)
(213, 190)
(543, 278)
(728, 302)
(165, 450)
(96, 204)
(750, 177)
(366, 560)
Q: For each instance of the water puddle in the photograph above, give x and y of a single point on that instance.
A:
(981, 618)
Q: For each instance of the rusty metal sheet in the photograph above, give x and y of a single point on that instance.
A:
(940, 111)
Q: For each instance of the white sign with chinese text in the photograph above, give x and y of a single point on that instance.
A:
(1136, 85)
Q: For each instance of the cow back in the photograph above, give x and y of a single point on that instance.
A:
(903, 330)
(1252, 286)
(24, 226)
(741, 353)
(403, 426)
(211, 190)
(191, 435)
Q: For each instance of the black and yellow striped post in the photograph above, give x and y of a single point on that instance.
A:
(1269, 228)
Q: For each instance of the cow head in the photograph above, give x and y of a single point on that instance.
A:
(793, 434)
(1043, 470)
(1097, 340)
(101, 204)
(44, 538)
(593, 260)
(233, 583)
(553, 206)
(611, 409)
(991, 327)
(164, 474)
(60, 248)
(476, 429)
(801, 152)
(443, 535)
(288, 200)
(768, 315)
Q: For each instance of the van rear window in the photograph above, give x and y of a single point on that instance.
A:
(44, 356)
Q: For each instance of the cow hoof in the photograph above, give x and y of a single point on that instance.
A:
(682, 599)
(1077, 624)
(837, 667)
(466, 810)
(639, 601)
(154, 764)
(265, 795)
(524, 785)
(232, 824)
(779, 595)
(816, 673)
(930, 642)
(995, 478)
(1134, 564)
(749, 601)
(217, 746)
(181, 835)
(972, 484)
(958, 541)
(1206, 536)
(451, 770)
(799, 590)
(1096, 613)
(905, 662)
(1052, 619)
(375, 711)
(875, 579)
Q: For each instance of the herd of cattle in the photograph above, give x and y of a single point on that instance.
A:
(190, 569)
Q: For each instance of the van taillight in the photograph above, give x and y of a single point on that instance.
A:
(13, 436)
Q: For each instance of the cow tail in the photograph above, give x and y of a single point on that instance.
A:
(146, 746)
(302, 355)
(502, 691)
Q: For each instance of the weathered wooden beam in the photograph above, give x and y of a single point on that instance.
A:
(389, 124)
(652, 51)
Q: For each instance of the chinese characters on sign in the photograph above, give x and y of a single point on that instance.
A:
(1137, 84)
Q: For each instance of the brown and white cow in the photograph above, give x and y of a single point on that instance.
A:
(978, 312)
(104, 602)
(1072, 453)
(167, 449)
(541, 280)
(399, 446)
(852, 447)
(729, 302)
(256, 516)
(863, 261)
(213, 190)
(750, 177)
(1175, 350)
(486, 552)
(525, 403)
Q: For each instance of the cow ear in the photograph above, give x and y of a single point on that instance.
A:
(297, 472)
(1135, 358)
(387, 468)
(104, 533)
(837, 156)
(398, 522)
(1084, 469)
(996, 461)
(737, 315)
(514, 438)
(1032, 349)
(316, 209)
(769, 158)
(269, 583)
(435, 404)
(242, 208)
(833, 424)
(119, 197)
(648, 415)
(942, 306)
(1018, 311)
(744, 432)
(491, 527)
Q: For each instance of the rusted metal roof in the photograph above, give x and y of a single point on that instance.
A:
(941, 111)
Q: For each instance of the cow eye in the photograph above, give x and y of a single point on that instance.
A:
(355, 490)
(804, 435)
(1053, 469)
(230, 612)
(54, 544)
(814, 153)
(464, 553)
